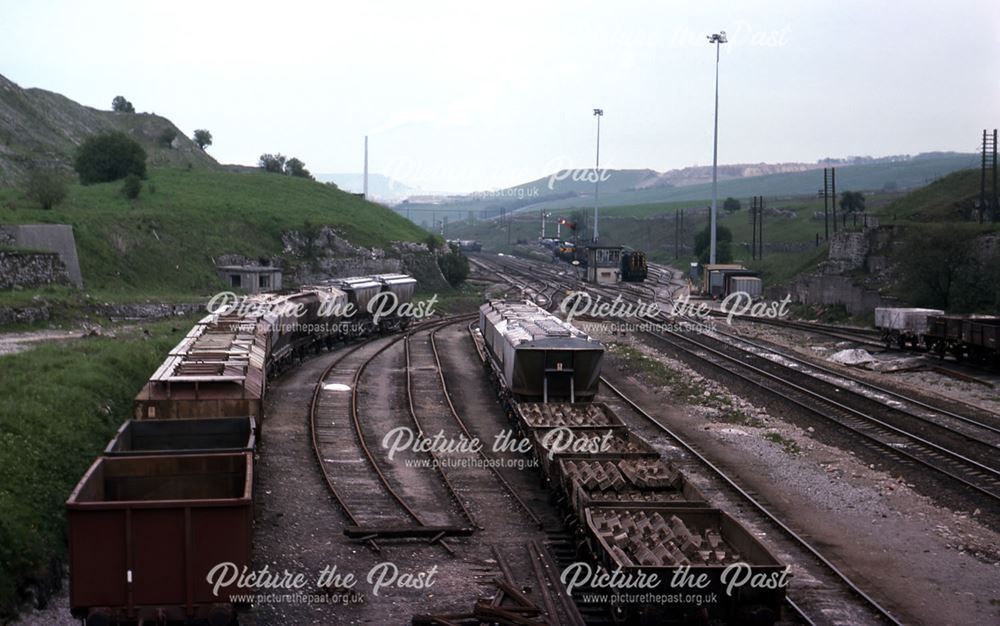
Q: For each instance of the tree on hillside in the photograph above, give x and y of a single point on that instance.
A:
(731, 205)
(723, 247)
(46, 187)
(167, 137)
(274, 163)
(433, 241)
(132, 187)
(295, 167)
(121, 105)
(109, 156)
(852, 202)
(942, 269)
(454, 266)
(203, 138)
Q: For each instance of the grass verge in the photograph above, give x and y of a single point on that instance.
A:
(59, 405)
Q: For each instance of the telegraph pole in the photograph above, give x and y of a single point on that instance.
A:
(677, 234)
(826, 210)
(833, 194)
(760, 236)
(989, 169)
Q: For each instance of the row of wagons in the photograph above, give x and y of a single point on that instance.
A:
(166, 501)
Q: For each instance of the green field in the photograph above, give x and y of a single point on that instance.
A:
(60, 403)
(163, 243)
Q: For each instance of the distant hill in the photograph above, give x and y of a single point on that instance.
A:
(643, 187)
(42, 128)
(380, 186)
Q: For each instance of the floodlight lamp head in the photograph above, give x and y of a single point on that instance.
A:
(598, 111)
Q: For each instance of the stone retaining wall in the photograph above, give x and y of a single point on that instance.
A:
(31, 269)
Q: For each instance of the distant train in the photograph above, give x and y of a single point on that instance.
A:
(466, 245)
(964, 337)
(634, 268)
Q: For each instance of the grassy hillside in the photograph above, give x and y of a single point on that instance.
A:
(950, 198)
(59, 405)
(164, 242)
(40, 128)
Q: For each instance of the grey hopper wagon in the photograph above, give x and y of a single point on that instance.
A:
(360, 290)
(539, 356)
(401, 285)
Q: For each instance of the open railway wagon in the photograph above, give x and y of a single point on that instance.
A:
(645, 539)
(608, 443)
(184, 436)
(535, 356)
(145, 531)
(971, 337)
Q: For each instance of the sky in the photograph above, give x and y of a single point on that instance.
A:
(467, 96)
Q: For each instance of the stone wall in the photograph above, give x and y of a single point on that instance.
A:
(829, 289)
(852, 253)
(56, 238)
(31, 269)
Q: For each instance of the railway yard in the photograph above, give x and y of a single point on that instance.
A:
(853, 496)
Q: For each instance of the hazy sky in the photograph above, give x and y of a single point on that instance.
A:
(463, 96)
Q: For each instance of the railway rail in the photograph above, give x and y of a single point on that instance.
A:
(961, 448)
(370, 502)
(876, 612)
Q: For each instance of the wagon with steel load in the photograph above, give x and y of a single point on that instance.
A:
(646, 539)
(145, 531)
(538, 357)
(609, 443)
(184, 436)
(587, 482)
(218, 370)
(535, 415)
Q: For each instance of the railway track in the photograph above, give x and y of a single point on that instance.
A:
(359, 485)
(958, 447)
(433, 411)
(805, 607)
(931, 446)
(809, 604)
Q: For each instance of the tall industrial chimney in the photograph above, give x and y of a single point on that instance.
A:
(366, 167)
